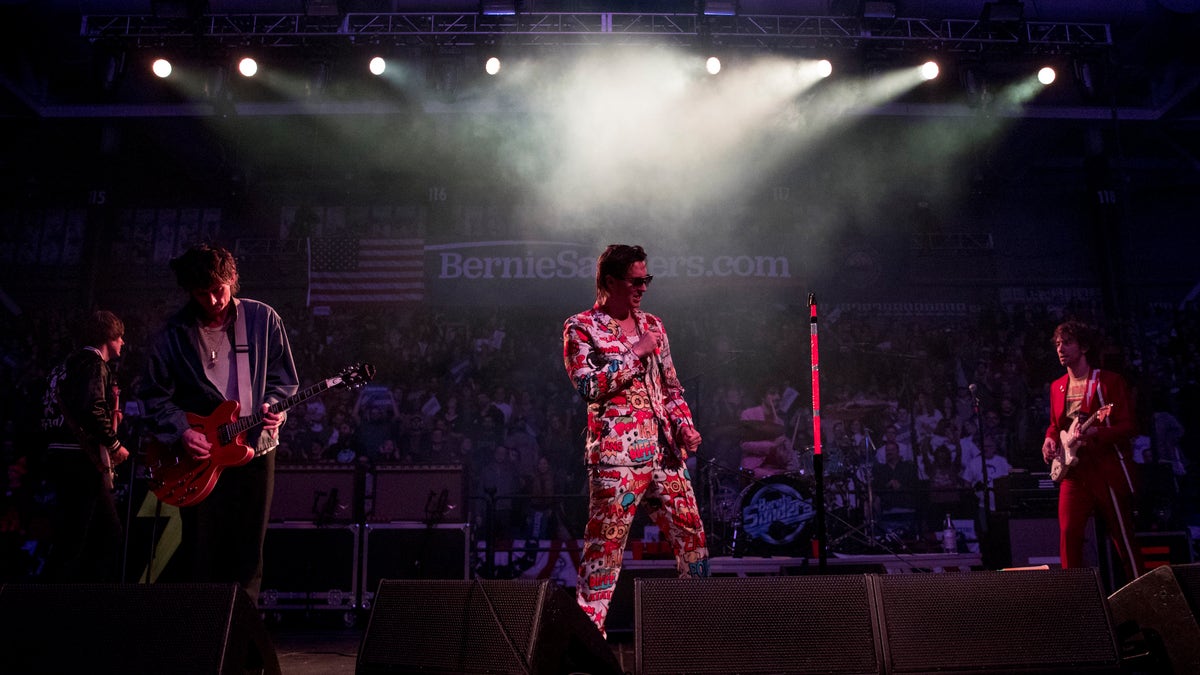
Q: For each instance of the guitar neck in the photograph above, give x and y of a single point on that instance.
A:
(230, 431)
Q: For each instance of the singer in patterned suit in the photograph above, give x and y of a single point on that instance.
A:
(639, 429)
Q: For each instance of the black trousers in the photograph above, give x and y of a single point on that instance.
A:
(223, 535)
(86, 544)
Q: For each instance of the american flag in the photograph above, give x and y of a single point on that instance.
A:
(365, 270)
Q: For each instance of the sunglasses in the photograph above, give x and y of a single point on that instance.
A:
(640, 281)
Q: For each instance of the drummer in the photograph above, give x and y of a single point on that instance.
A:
(766, 448)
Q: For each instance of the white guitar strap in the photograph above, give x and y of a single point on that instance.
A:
(241, 348)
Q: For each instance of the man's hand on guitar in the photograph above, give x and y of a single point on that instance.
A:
(1050, 450)
(272, 421)
(119, 455)
(197, 443)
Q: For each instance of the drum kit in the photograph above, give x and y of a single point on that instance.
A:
(756, 512)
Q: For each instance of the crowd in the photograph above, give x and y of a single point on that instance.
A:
(487, 390)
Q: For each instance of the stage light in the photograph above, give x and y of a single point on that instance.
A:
(498, 7)
(161, 68)
(1046, 75)
(885, 11)
(492, 66)
(712, 65)
(248, 67)
(719, 8)
(377, 65)
(1003, 12)
(929, 70)
(824, 68)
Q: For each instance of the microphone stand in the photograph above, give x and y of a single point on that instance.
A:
(985, 516)
(819, 544)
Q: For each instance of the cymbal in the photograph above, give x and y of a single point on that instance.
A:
(856, 409)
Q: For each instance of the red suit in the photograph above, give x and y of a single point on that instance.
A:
(1102, 482)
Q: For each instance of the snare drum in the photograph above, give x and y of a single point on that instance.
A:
(777, 511)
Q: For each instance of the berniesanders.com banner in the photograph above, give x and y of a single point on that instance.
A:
(561, 272)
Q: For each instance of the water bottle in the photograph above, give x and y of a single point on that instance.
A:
(949, 537)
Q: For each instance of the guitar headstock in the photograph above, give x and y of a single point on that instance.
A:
(356, 375)
(1103, 412)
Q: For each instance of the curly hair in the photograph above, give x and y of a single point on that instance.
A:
(202, 266)
(1078, 332)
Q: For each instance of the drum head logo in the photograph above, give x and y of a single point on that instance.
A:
(776, 513)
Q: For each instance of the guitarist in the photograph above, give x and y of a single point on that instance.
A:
(192, 368)
(1102, 480)
(80, 420)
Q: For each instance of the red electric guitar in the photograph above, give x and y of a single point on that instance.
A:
(179, 479)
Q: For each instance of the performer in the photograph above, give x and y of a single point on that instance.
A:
(639, 429)
(1102, 480)
(193, 368)
(80, 418)
(764, 453)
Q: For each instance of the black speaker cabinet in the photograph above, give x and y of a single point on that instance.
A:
(415, 551)
(783, 625)
(309, 567)
(1039, 621)
(433, 493)
(1161, 607)
(479, 626)
(130, 628)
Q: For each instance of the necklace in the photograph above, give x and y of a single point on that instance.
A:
(211, 340)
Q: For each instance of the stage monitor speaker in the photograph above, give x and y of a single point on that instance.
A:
(132, 628)
(1162, 607)
(1040, 621)
(480, 626)
(786, 625)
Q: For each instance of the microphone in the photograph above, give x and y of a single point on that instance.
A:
(974, 391)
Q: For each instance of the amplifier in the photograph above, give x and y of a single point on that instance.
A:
(424, 493)
(318, 493)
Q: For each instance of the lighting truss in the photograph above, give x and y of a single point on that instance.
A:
(772, 32)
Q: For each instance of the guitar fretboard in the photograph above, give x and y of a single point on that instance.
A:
(232, 430)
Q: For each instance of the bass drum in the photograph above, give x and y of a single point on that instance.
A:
(776, 514)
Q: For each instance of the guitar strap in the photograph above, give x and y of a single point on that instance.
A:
(241, 348)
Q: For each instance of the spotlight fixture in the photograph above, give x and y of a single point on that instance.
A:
(498, 7)
(1003, 12)
(161, 68)
(248, 67)
(885, 11)
(1046, 75)
(824, 68)
(321, 7)
(712, 65)
(719, 7)
(492, 66)
(929, 70)
(377, 65)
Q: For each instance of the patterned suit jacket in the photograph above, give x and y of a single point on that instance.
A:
(628, 400)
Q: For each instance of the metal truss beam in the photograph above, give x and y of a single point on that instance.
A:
(770, 32)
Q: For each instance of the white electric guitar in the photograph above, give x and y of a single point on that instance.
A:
(1070, 439)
